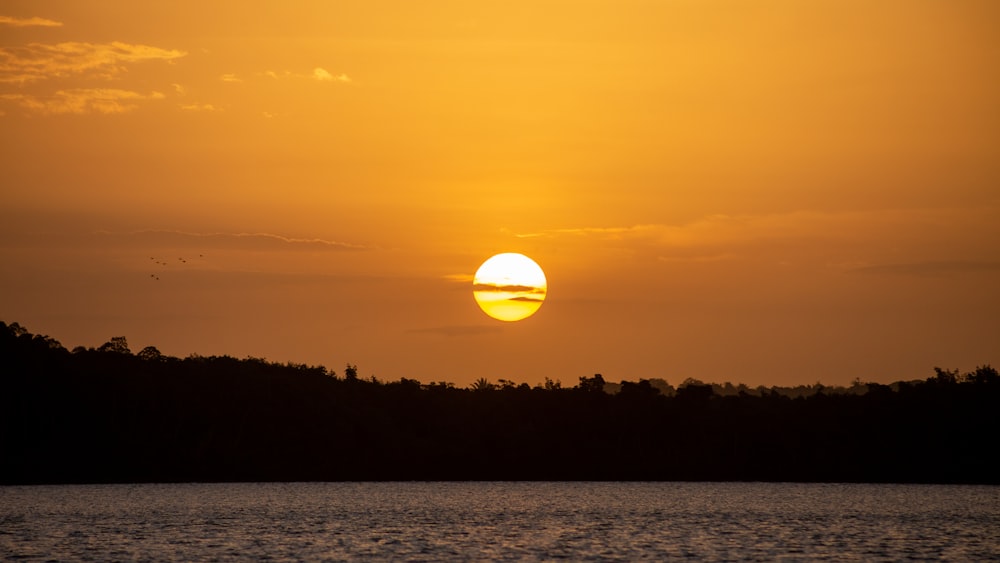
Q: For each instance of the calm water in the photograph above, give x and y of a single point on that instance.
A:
(489, 521)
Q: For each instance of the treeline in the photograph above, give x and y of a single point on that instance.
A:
(109, 415)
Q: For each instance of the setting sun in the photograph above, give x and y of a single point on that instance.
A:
(509, 287)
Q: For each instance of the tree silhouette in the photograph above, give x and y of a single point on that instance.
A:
(641, 389)
(351, 372)
(117, 345)
(984, 375)
(16, 330)
(151, 354)
(945, 377)
(94, 416)
(592, 384)
(482, 384)
(552, 385)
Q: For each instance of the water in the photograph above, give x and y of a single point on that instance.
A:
(491, 521)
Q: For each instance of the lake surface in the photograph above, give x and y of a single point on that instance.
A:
(500, 520)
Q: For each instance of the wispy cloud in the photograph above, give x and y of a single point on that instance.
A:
(199, 107)
(316, 243)
(712, 227)
(193, 106)
(843, 240)
(318, 74)
(230, 77)
(323, 75)
(582, 231)
(82, 101)
(36, 61)
(255, 241)
(28, 22)
(726, 230)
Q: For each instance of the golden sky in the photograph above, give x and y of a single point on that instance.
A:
(774, 192)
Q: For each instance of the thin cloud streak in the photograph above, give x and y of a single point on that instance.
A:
(323, 75)
(725, 231)
(319, 74)
(83, 100)
(460, 278)
(38, 62)
(28, 22)
(256, 241)
(199, 107)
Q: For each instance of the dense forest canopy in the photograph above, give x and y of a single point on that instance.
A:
(107, 414)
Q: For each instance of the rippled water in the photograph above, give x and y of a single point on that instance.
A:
(533, 521)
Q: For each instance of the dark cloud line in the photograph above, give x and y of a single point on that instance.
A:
(507, 288)
(930, 268)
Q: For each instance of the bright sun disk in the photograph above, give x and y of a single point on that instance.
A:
(509, 287)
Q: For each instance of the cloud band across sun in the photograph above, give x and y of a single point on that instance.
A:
(508, 288)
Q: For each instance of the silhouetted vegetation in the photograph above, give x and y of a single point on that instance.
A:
(108, 415)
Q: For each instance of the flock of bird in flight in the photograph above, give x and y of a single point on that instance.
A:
(163, 262)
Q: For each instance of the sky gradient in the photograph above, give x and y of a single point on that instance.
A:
(775, 192)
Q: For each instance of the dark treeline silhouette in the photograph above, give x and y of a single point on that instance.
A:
(107, 415)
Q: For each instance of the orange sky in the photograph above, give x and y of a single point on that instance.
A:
(770, 193)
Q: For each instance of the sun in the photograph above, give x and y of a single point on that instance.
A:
(509, 287)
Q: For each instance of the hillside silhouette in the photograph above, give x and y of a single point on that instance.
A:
(106, 414)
